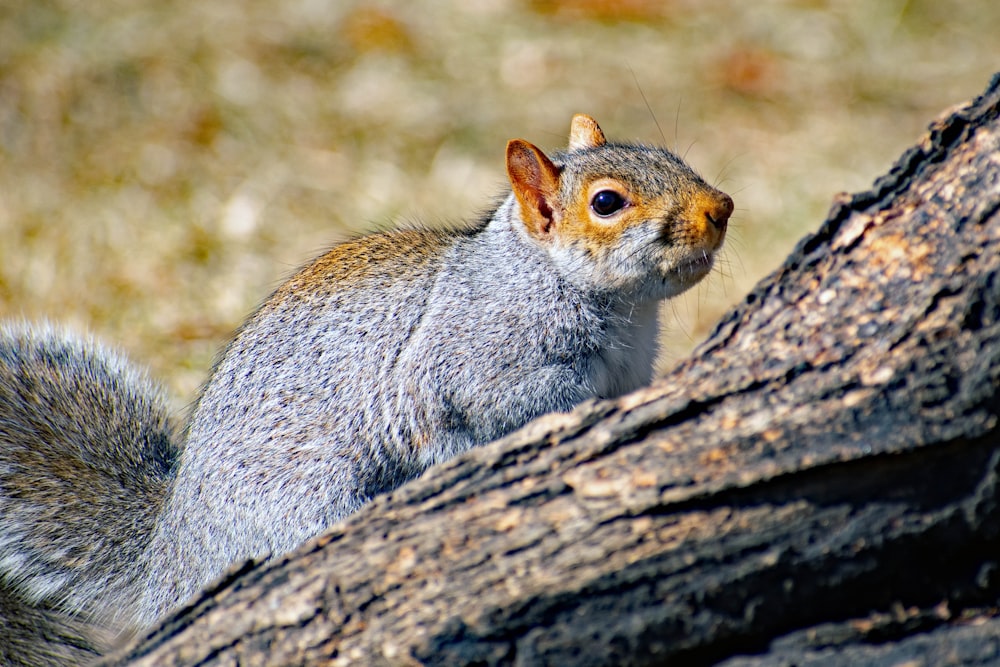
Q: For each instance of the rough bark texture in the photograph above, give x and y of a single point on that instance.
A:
(817, 485)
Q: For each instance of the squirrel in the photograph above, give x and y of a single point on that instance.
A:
(387, 354)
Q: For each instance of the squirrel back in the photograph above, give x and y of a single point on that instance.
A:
(386, 355)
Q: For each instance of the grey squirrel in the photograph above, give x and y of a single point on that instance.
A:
(386, 355)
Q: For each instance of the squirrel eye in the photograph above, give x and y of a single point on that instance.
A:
(607, 202)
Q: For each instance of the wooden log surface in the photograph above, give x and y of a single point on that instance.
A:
(816, 485)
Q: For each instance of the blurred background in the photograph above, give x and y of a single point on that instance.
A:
(163, 165)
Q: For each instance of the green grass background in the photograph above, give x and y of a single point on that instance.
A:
(164, 164)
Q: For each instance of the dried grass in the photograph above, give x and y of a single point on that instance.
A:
(163, 165)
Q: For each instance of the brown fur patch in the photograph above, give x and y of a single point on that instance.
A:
(584, 227)
(401, 253)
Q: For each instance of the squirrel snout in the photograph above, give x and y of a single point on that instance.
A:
(708, 213)
(717, 209)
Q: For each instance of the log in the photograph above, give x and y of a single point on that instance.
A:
(817, 484)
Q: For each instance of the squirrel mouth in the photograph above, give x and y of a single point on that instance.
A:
(697, 265)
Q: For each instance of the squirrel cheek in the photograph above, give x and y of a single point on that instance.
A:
(597, 236)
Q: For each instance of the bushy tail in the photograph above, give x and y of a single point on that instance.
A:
(86, 459)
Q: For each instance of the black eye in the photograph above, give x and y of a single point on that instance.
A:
(607, 202)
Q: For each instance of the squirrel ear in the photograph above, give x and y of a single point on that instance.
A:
(535, 182)
(584, 132)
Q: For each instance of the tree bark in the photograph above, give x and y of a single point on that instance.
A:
(816, 485)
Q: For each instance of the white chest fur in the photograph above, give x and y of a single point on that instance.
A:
(626, 363)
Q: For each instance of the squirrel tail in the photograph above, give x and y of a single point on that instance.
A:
(86, 460)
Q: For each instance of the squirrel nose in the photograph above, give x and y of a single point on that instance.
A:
(718, 209)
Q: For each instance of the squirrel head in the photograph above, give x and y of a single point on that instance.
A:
(625, 218)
